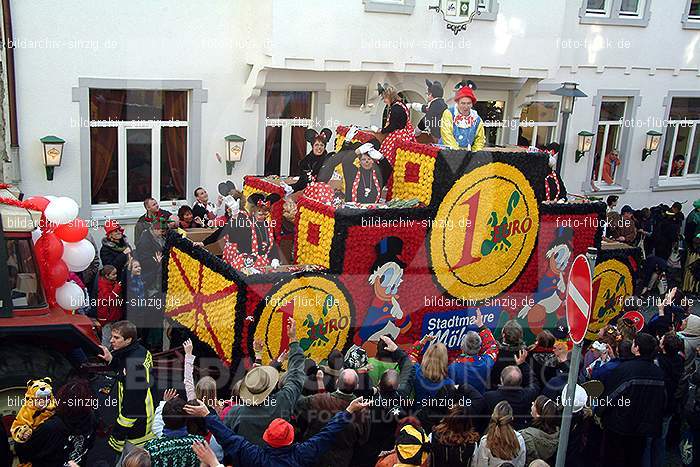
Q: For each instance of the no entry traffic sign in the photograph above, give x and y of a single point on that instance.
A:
(578, 299)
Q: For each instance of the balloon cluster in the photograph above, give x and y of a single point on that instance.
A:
(61, 248)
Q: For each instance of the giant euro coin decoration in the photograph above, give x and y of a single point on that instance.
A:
(203, 301)
(612, 284)
(320, 307)
(484, 232)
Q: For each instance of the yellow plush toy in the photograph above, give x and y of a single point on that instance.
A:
(39, 405)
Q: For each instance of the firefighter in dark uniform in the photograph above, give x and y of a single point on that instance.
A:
(133, 365)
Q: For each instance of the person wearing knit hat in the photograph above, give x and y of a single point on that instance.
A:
(433, 110)
(397, 127)
(279, 449)
(460, 126)
(411, 449)
(115, 248)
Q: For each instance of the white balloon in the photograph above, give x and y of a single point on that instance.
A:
(61, 210)
(78, 255)
(36, 233)
(70, 296)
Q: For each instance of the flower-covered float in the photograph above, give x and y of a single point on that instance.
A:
(458, 231)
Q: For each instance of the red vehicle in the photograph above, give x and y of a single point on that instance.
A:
(35, 340)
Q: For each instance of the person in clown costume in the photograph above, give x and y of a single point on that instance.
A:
(397, 126)
(551, 290)
(384, 315)
(250, 241)
(460, 126)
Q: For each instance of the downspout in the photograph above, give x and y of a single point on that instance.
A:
(10, 70)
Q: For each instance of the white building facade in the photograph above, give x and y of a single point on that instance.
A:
(144, 93)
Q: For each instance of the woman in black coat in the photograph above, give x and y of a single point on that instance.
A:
(311, 165)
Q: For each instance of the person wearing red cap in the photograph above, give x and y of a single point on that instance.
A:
(115, 249)
(460, 126)
(280, 449)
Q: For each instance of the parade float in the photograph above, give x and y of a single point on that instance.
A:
(458, 231)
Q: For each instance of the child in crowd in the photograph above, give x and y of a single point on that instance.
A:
(109, 301)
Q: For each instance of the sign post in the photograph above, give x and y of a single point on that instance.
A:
(578, 314)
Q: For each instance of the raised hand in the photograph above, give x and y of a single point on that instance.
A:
(522, 356)
(199, 410)
(169, 394)
(187, 345)
(292, 330)
(479, 318)
(106, 355)
(357, 405)
(390, 344)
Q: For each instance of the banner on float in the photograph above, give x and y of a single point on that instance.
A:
(450, 327)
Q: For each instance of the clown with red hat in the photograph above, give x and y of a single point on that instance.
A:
(460, 126)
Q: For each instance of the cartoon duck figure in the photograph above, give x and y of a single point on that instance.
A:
(385, 315)
(551, 290)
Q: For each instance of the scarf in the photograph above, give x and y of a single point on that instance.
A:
(120, 247)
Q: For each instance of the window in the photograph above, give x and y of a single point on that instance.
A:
(138, 146)
(694, 10)
(288, 114)
(404, 7)
(681, 149)
(615, 12)
(691, 15)
(538, 124)
(631, 8)
(25, 289)
(491, 113)
(597, 7)
(606, 155)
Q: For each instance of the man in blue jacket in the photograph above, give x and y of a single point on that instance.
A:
(279, 450)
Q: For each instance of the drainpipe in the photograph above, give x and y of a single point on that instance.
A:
(11, 91)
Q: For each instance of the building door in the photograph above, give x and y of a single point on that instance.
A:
(491, 107)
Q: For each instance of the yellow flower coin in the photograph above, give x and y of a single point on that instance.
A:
(320, 308)
(484, 232)
(612, 284)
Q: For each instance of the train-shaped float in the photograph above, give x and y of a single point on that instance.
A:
(489, 229)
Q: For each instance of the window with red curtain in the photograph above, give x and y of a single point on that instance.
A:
(112, 108)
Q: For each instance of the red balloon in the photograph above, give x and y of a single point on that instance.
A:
(57, 273)
(74, 231)
(49, 248)
(39, 201)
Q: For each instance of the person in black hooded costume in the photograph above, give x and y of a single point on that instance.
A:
(433, 110)
(311, 165)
